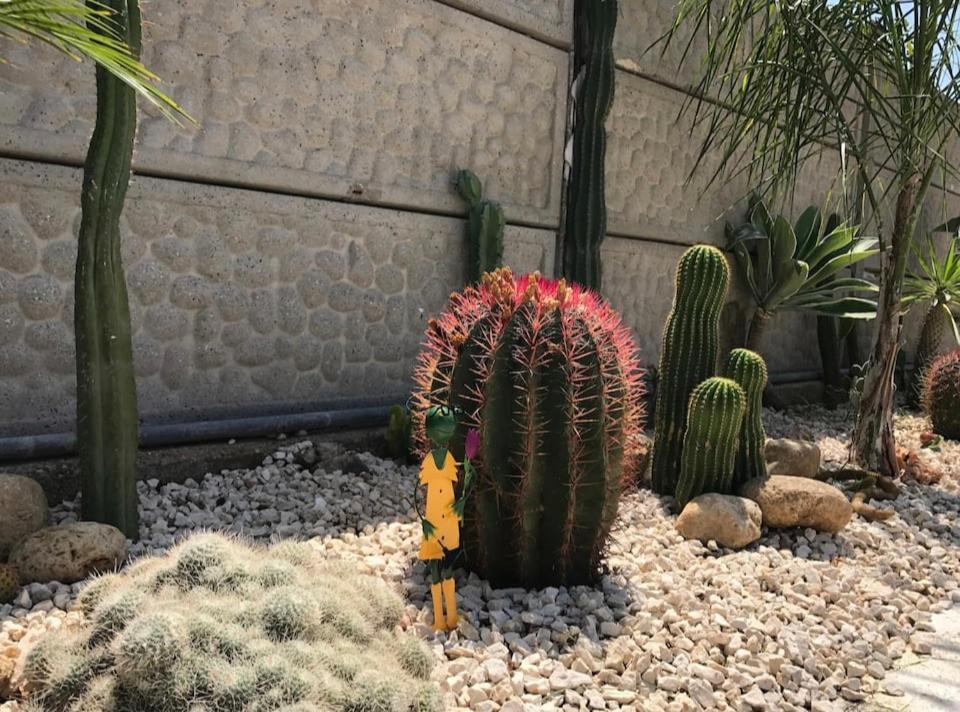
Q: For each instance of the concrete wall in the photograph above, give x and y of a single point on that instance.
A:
(285, 253)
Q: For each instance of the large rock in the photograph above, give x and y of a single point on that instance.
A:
(799, 502)
(800, 458)
(730, 521)
(23, 510)
(69, 553)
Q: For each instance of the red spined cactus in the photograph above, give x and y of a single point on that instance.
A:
(549, 376)
(941, 395)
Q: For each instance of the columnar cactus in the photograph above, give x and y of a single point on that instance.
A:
(219, 626)
(749, 370)
(712, 438)
(688, 354)
(548, 375)
(941, 395)
(595, 23)
(106, 390)
(485, 223)
(935, 324)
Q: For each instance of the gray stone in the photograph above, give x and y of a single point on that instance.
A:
(69, 553)
(733, 522)
(40, 297)
(785, 456)
(23, 510)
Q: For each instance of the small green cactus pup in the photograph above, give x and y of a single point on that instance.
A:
(710, 448)
(9, 583)
(219, 626)
(750, 371)
(485, 225)
(688, 354)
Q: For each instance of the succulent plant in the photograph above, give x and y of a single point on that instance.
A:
(9, 583)
(941, 395)
(398, 433)
(749, 370)
(549, 377)
(688, 355)
(712, 439)
(223, 627)
(595, 24)
(485, 223)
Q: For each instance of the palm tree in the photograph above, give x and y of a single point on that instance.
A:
(84, 30)
(876, 81)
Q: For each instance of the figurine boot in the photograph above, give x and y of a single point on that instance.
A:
(438, 622)
(450, 598)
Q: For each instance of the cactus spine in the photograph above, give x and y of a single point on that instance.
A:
(688, 354)
(106, 390)
(595, 23)
(713, 435)
(549, 376)
(749, 370)
(485, 223)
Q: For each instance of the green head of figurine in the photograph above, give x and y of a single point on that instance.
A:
(440, 425)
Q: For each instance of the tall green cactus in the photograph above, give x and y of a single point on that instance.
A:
(749, 370)
(549, 377)
(485, 223)
(595, 23)
(688, 354)
(713, 435)
(106, 390)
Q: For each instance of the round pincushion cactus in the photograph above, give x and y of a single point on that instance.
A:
(941, 395)
(549, 377)
(219, 626)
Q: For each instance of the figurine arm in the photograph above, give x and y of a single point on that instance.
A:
(469, 477)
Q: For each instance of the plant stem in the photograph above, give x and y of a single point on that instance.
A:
(758, 326)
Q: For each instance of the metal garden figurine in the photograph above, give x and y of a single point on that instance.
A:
(441, 520)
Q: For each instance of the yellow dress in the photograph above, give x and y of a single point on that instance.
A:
(439, 510)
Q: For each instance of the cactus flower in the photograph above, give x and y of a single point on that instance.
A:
(471, 444)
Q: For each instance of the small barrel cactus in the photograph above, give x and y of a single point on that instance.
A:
(485, 224)
(941, 395)
(713, 436)
(397, 435)
(548, 375)
(222, 627)
(9, 583)
(749, 370)
(688, 354)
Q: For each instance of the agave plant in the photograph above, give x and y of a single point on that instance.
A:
(936, 283)
(800, 267)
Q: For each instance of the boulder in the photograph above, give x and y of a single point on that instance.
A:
(69, 553)
(23, 510)
(730, 521)
(799, 502)
(800, 458)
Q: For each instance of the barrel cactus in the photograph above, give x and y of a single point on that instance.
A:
(548, 375)
(485, 223)
(688, 354)
(941, 395)
(712, 439)
(220, 626)
(9, 583)
(749, 370)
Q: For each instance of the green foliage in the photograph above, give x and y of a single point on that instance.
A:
(799, 266)
(398, 435)
(711, 439)
(688, 354)
(941, 395)
(9, 583)
(595, 24)
(485, 223)
(548, 376)
(186, 632)
(749, 371)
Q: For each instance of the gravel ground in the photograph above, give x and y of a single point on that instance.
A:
(796, 621)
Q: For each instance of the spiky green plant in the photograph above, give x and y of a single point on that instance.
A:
(485, 223)
(169, 634)
(941, 395)
(398, 433)
(799, 267)
(688, 354)
(711, 440)
(595, 24)
(749, 371)
(548, 375)
(936, 284)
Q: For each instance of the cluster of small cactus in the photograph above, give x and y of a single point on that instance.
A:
(219, 626)
(9, 583)
(708, 430)
(941, 395)
(485, 223)
(549, 377)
